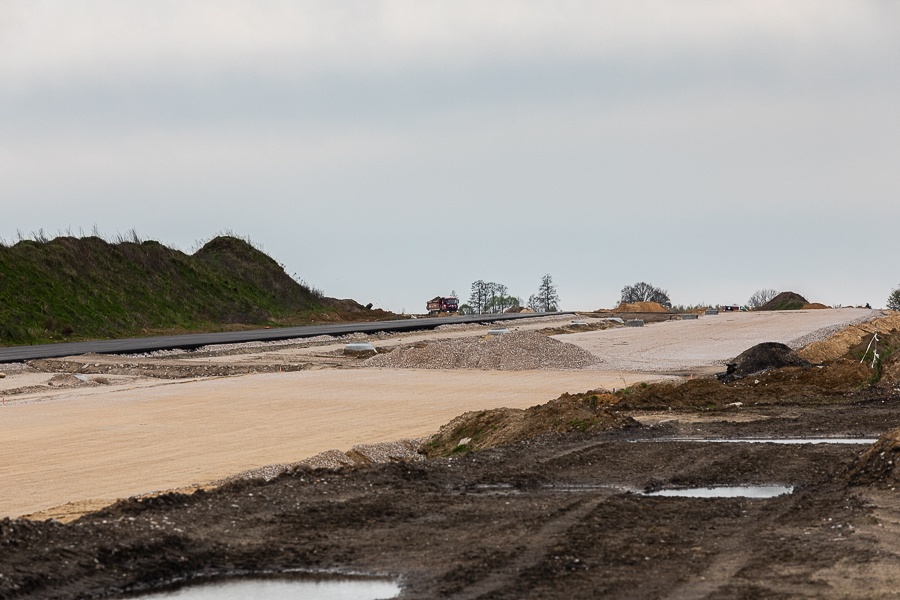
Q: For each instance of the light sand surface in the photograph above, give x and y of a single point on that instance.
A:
(112, 443)
(709, 340)
(141, 434)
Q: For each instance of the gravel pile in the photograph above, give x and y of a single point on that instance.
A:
(518, 351)
(826, 332)
(361, 454)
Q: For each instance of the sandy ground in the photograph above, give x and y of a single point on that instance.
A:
(709, 340)
(138, 435)
(107, 443)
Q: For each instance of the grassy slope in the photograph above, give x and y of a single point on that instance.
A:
(85, 288)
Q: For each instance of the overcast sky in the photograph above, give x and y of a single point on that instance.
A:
(391, 151)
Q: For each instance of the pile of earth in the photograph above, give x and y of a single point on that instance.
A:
(516, 351)
(645, 307)
(794, 385)
(878, 465)
(478, 430)
(762, 357)
(854, 339)
(785, 301)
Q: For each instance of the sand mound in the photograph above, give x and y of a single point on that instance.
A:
(763, 357)
(518, 351)
(878, 464)
(814, 306)
(655, 307)
(488, 428)
(785, 301)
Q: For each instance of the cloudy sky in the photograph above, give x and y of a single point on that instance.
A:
(390, 151)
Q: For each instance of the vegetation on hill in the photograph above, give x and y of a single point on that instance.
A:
(785, 301)
(86, 288)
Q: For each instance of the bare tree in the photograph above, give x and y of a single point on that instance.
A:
(760, 297)
(479, 296)
(546, 299)
(644, 292)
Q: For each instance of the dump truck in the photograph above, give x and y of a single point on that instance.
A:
(442, 304)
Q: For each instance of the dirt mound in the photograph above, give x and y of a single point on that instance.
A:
(786, 385)
(785, 301)
(814, 306)
(763, 357)
(851, 337)
(498, 427)
(878, 465)
(641, 307)
(518, 351)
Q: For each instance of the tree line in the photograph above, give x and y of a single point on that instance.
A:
(489, 297)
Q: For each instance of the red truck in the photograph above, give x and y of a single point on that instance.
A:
(442, 304)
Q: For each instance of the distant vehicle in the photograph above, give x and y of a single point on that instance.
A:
(442, 304)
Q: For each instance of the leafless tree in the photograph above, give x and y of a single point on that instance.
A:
(760, 297)
(644, 292)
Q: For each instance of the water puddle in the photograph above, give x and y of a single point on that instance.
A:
(824, 440)
(285, 589)
(740, 491)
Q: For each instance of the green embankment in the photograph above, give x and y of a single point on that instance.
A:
(86, 288)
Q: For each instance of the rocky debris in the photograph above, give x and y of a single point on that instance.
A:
(878, 465)
(516, 351)
(763, 357)
(785, 301)
(361, 454)
(479, 430)
(161, 370)
(2, 375)
(68, 380)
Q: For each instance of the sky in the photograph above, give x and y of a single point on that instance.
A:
(393, 150)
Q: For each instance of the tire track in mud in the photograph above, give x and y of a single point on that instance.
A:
(536, 550)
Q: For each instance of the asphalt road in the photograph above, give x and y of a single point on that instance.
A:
(196, 340)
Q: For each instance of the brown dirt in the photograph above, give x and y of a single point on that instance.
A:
(483, 429)
(798, 385)
(879, 464)
(814, 306)
(785, 301)
(557, 516)
(841, 343)
(648, 307)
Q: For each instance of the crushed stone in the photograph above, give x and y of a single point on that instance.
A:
(516, 351)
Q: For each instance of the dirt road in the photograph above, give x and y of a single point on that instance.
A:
(139, 434)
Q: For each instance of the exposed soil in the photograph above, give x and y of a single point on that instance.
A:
(786, 301)
(551, 517)
(538, 503)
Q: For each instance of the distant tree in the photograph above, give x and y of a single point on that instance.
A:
(760, 297)
(498, 304)
(546, 299)
(893, 301)
(465, 309)
(644, 292)
(479, 295)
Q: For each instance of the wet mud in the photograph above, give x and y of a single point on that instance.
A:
(558, 516)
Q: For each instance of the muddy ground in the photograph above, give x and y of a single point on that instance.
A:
(553, 517)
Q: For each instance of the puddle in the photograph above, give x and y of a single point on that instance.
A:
(285, 589)
(742, 491)
(861, 441)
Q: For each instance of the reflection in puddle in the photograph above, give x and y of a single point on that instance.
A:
(285, 589)
(748, 491)
(861, 441)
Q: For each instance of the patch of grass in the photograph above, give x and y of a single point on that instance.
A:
(70, 288)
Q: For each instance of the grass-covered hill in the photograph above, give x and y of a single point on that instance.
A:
(86, 288)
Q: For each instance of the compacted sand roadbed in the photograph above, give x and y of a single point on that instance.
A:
(133, 434)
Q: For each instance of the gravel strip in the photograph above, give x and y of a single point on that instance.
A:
(826, 332)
